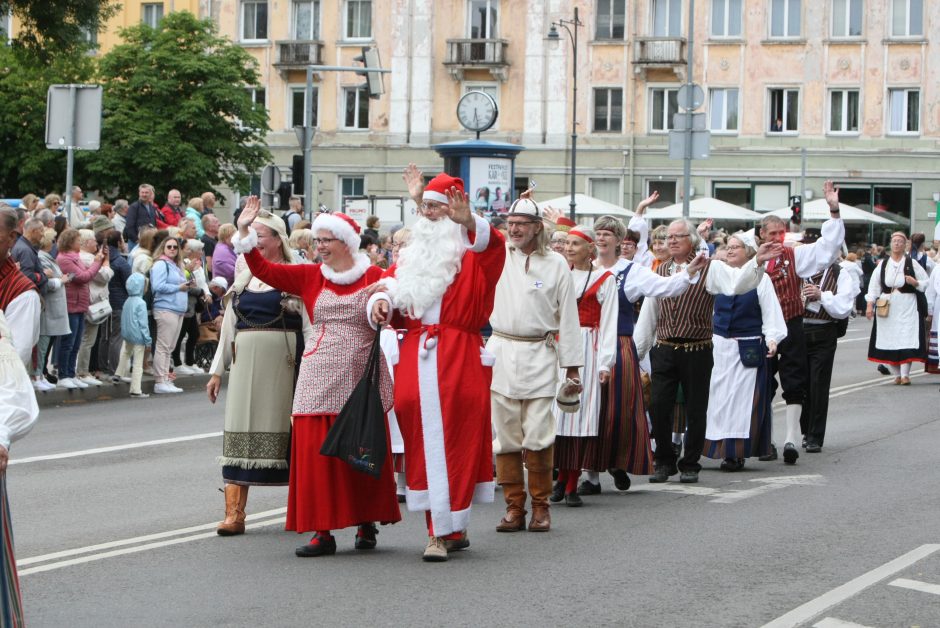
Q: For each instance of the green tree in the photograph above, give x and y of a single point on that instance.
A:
(177, 112)
(48, 26)
(26, 165)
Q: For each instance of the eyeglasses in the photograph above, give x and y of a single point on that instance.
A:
(323, 241)
(171, 247)
(628, 243)
(519, 223)
(733, 247)
(435, 206)
(675, 236)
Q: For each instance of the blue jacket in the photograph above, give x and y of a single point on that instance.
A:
(134, 327)
(165, 280)
(192, 212)
(117, 290)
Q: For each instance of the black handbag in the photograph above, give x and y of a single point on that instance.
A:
(358, 435)
(751, 351)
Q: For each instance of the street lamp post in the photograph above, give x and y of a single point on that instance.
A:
(573, 36)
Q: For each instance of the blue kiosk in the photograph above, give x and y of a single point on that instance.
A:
(488, 170)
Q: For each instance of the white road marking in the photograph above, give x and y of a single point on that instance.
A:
(726, 496)
(138, 544)
(688, 489)
(842, 340)
(821, 604)
(832, 622)
(104, 450)
(916, 585)
(847, 389)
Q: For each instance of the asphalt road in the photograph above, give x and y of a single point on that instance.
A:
(115, 503)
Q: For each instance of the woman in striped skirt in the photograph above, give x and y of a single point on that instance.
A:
(747, 328)
(597, 311)
(18, 413)
(623, 442)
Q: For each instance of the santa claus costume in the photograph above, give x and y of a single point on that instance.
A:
(324, 492)
(443, 288)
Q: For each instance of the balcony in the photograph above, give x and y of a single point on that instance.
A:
(659, 52)
(298, 54)
(477, 54)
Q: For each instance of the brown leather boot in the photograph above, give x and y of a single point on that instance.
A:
(539, 464)
(511, 477)
(234, 522)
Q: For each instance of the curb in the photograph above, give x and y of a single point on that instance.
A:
(107, 392)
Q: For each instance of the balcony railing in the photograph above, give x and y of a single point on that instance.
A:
(299, 53)
(659, 50)
(483, 54)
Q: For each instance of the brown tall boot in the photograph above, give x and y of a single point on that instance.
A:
(234, 522)
(539, 464)
(511, 477)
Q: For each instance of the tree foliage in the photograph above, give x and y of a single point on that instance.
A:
(26, 165)
(50, 26)
(177, 112)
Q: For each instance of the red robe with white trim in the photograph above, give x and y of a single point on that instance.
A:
(442, 391)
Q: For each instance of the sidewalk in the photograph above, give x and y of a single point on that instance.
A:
(109, 391)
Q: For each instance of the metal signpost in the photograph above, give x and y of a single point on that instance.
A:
(73, 122)
(270, 181)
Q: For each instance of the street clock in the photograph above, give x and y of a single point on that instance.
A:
(477, 111)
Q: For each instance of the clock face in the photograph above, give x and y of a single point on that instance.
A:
(477, 111)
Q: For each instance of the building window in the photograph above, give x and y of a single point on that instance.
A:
(352, 186)
(608, 109)
(605, 189)
(357, 107)
(481, 22)
(258, 99)
(667, 18)
(784, 111)
(667, 191)
(306, 20)
(905, 110)
(611, 19)
(907, 18)
(846, 18)
(726, 18)
(90, 35)
(760, 197)
(358, 19)
(843, 111)
(151, 13)
(254, 20)
(664, 104)
(723, 109)
(785, 18)
(296, 105)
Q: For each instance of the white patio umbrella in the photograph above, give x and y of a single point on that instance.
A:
(586, 206)
(705, 207)
(817, 211)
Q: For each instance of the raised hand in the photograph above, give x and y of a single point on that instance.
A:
(831, 192)
(705, 227)
(696, 264)
(458, 208)
(414, 179)
(769, 250)
(551, 214)
(248, 215)
(646, 202)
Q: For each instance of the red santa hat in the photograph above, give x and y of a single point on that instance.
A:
(341, 226)
(437, 188)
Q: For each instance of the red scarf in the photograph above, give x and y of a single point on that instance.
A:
(13, 283)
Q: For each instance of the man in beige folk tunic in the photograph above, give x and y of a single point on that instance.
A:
(534, 305)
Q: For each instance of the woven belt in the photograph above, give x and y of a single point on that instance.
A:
(548, 338)
(695, 345)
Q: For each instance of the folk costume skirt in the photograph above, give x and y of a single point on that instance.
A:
(899, 338)
(623, 440)
(325, 493)
(11, 605)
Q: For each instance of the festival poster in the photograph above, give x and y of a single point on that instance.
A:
(490, 186)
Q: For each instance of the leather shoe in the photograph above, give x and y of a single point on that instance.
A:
(318, 546)
(573, 500)
(541, 519)
(688, 477)
(662, 474)
(621, 479)
(512, 521)
(771, 456)
(790, 454)
(589, 488)
(558, 492)
(732, 464)
(455, 545)
(365, 536)
(812, 447)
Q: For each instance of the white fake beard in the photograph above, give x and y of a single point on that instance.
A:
(428, 265)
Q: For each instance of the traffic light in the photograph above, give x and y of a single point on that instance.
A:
(297, 173)
(370, 61)
(796, 206)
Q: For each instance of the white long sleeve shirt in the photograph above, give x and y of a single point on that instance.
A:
(838, 304)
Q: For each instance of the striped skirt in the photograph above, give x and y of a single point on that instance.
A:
(761, 428)
(933, 355)
(623, 440)
(11, 612)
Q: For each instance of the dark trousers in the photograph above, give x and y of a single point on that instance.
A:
(693, 369)
(190, 330)
(790, 364)
(820, 354)
(69, 346)
(109, 343)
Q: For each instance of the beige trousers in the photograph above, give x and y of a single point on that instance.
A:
(521, 423)
(128, 351)
(84, 350)
(168, 330)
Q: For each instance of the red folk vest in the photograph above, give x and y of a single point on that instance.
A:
(589, 308)
(787, 284)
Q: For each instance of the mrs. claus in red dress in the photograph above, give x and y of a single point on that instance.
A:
(443, 286)
(325, 493)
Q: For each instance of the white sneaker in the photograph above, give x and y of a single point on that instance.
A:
(41, 385)
(117, 379)
(183, 369)
(90, 380)
(78, 383)
(165, 388)
(195, 370)
(66, 382)
(174, 387)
